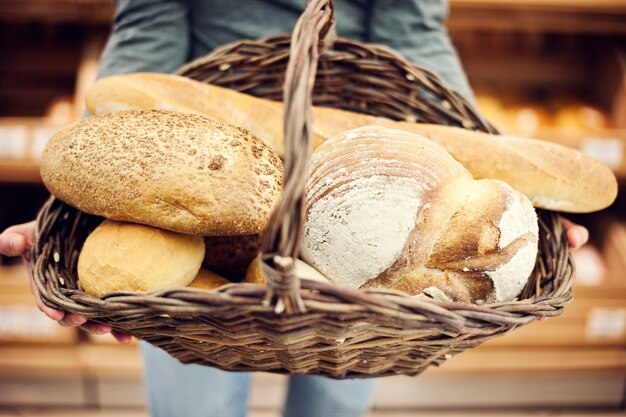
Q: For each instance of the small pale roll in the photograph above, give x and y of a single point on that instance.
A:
(302, 269)
(388, 208)
(130, 257)
(208, 280)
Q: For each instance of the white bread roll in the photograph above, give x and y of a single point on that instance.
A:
(131, 257)
(388, 208)
(553, 176)
(176, 171)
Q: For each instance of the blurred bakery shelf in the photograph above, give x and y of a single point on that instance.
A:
(94, 12)
(108, 375)
(574, 360)
(21, 322)
(604, 17)
(573, 16)
(22, 141)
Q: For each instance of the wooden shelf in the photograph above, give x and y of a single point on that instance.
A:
(16, 171)
(489, 360)
(58, 11)
(570, 16)
(551, 16)
(586, 6)
(30, 135)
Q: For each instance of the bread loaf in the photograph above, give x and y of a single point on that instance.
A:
(230, 255)
(554, 177)
(147, 91)
(130, 257)
(388, 208)
(302, 270)
(208, 280)
(176, 171)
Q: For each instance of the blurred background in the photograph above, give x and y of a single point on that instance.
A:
(550, 69)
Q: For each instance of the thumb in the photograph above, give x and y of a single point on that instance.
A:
(12, 244)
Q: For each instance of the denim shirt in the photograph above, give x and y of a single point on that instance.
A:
(162, 35)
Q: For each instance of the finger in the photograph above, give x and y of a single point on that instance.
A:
(542, 319)
(29, 231)
(123, 338)
(577, 236)
(96, 328)
(72, 319)
(17, 239)
(54, 314)
(567, 223)
(12, 244)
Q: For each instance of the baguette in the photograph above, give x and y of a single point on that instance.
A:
(552, 176)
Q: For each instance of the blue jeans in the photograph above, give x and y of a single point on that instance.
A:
(177, 390)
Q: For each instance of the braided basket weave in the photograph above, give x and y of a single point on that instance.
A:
(298, 326)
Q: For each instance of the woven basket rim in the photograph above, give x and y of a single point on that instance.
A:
(184, 301)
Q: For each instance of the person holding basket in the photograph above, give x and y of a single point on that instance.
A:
(161, 36)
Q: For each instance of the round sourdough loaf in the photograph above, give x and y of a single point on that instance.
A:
(388, 208)
(131, 257)
(176, 171)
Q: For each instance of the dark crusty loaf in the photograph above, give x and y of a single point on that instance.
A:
(230, 255)
(176, 171)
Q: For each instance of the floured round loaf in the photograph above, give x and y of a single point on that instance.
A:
(388, 208)
(131, 257)
(176, 171)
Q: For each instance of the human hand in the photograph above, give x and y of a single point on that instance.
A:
(577, 236)
(18, 240)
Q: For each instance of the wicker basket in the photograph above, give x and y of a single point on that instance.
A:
(306, 327)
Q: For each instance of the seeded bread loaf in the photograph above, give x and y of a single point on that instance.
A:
(176, 171)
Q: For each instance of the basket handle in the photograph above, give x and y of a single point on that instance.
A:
(313, 33)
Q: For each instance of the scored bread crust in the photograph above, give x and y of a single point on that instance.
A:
(388, 208)
(176, 171)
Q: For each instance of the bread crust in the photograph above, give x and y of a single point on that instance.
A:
(121, 256)
(230, 256)
(388, 208)
(176, 171)
(208, 280)
(553, 176)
